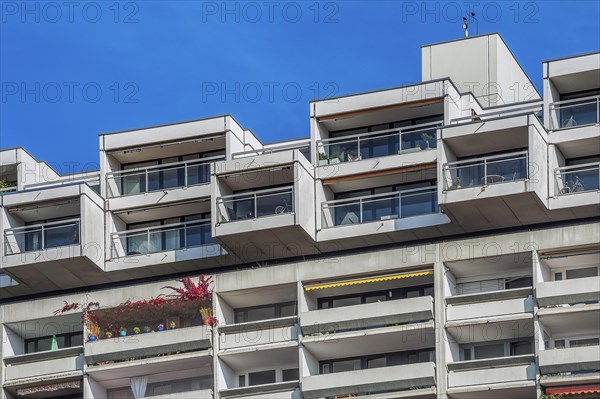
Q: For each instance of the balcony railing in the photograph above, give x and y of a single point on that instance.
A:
(161, 238)
(577, 178)
(39, 237)
(396, 205)
(485, 171)
(5, 190)
(255, 204)
(160, 177)
(377, 144)
(576, 112)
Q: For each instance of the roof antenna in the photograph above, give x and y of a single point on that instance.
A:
(470, 16)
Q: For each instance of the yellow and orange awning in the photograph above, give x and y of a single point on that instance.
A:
(377, 279)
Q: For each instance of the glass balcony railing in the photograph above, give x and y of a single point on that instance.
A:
(255, 204)
(573, 113)
(484, 171)
(377, 144)
(577, 178)
(4, 190)
(39, 237)
(396, 205)
(161, 238)
(159, 177)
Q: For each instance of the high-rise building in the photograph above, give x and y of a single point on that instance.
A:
(435, 240)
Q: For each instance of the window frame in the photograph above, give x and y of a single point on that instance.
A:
(277, 310)
(68, 341)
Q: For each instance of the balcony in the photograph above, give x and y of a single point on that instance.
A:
(41, 237)
(577, 179)
(263, 332)
(148, 345)
(551, 293)
(44, 364)
(371, 315)
(10, 189)
(257, 204)
(563, 360)
(171, 182)
(486, 171)
(343, 153)
(179, 242)
(388, 206)
(575, 113)
(490, 310)
(383, 379)
(495, 378)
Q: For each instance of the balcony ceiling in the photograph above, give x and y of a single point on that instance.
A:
(519, 326)
(480, 141)
(587, 80)
(68, 207)
(580, 148)
(391, 177)
(167, 150)
(157, 369)
(266, 358)
(372, 341)
(164, 212)
(47, 326)
(260, 296)
(480, 267)
(377, 116)
(259, 178)
(575, 321)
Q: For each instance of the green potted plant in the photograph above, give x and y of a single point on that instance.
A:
(108, 334)
(136, 330)
(172, 325)
(147, 329)
(324, 159)
(456, 182)
(160, 327)
(426, 137)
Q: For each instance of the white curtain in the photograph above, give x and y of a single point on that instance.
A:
(138, 386)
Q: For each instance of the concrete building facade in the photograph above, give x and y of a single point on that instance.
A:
(436, 241)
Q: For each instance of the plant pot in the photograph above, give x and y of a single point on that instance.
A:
(92, 338)
(109, 336)
(123, 333)
(160, 328)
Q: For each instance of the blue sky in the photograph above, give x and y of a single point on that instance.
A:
(70, 71)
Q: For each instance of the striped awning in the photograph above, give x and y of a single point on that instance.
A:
(574, 390)
(377, 279)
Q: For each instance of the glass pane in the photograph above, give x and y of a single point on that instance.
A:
(77, 339)
(44, 344)
(288, 310)
(559, 343)
(521, 348)
(346, 365)
(58, 236)
(263, 313)
(489, 351)
(582, 273)
(261, 377)
(377, 362)
(376, 298)
(574, 343)
(519, 283)
(291, 375)
(340, 302)
(418, 204)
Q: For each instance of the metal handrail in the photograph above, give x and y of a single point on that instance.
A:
(256, 193)
(475, 161)
(8, 189)
(167, 166)
(354, 200)
(401, 130)
(65, 180)
(499, 114)
(32, 227)
(583, 165)
(269, 150)
(162, 228)
(575, 100)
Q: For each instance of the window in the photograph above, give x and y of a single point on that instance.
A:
(166, 387)
(559, 344)
(375, 296)
(242, 381)
(376, 361)
(489, 351)
(521, 348)
(582, 273)
(41, 344)
(290, 375)
(261, 377)
(575, 343)
(519, 282)
(265, 312)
